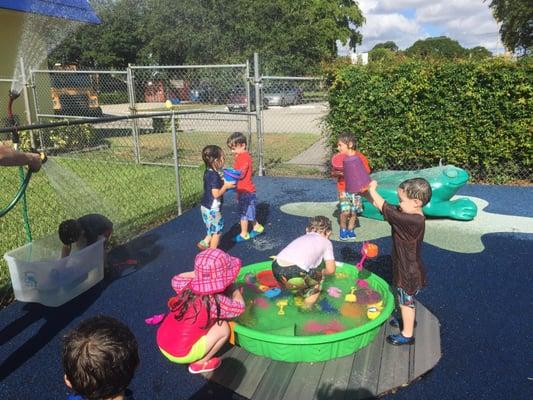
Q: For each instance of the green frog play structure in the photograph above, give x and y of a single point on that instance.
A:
(445, 181)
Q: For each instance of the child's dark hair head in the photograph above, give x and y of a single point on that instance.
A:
(348, 139)
(417, 188)
(319, 224)
(236, 138)
(99, 358)
(69, 231)
(210, 154)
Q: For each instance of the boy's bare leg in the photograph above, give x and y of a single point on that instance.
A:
(244, 227)
(351, 222)
(215, 238)
(207, 239)
(310, 300)
(343, 219)
(408, 318)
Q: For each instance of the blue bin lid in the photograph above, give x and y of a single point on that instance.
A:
(74, 10)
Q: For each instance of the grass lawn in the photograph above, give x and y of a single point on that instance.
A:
(134, 197)
(278, 148)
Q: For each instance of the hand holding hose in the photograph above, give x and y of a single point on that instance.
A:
(10, 157)
(35, 161)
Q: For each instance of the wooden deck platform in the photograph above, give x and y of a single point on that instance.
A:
(376, 369)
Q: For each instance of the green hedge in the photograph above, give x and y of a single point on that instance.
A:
(410, 114)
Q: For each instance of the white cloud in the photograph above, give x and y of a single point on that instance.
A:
(405, 21)
(394, 26)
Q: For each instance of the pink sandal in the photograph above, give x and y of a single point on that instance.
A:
(199, 368)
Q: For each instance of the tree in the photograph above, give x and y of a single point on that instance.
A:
(381, 54)
(479, 53)
(390, 45)
(113, 44)
(516, 19)
(437, 47)
(292, 36)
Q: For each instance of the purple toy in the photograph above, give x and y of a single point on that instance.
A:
(355, 175)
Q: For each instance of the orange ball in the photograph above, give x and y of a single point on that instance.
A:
(371, 250)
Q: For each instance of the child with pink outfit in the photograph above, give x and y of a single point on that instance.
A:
(196, 327)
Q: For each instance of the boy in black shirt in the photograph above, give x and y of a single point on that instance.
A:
(408, 225)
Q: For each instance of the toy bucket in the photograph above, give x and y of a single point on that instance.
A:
(355, 175)
(337, 161)
(231, 175)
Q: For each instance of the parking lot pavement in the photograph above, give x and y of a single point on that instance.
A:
(301, 118)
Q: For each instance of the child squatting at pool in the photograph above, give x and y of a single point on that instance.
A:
(196, 327)
(301, 265)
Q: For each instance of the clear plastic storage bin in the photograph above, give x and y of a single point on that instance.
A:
(39, 275)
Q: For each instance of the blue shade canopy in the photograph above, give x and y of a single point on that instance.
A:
(74, 10)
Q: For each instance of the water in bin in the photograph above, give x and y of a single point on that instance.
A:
(39, 275)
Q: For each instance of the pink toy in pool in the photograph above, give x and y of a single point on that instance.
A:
(329, 327)
(261, 302)
(362, 283)
(334, 291)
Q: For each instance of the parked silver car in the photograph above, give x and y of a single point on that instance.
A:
(283, 95)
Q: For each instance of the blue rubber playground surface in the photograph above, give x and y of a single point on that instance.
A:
(480, 288)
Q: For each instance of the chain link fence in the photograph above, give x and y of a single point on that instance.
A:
(292, 126)
(93, 168)
(137, 157)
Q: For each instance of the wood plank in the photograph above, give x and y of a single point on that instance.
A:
(376, 369)
(233, 368)
(394, 370)
(275, 381)
(363, 381)
(304, 381)
(335, 378)
(428, 346)
(255, 368)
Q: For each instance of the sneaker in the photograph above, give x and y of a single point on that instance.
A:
(400, 340)
(199, 368)
(343, 235)
(351, 234)
(257, 231)
(397, 323)
(240, 238)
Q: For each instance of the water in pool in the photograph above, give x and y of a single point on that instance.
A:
(345, 303)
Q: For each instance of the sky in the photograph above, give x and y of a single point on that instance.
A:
(470, 22)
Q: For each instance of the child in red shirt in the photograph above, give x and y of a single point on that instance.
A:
(350, 204)
(196, 327)
(245, 187)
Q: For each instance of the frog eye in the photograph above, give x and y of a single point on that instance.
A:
(450, 173)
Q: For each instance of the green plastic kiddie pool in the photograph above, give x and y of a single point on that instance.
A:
(277, 327)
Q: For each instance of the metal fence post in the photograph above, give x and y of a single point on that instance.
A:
(133, 111)
(36, 107)
(247, 80)
(26, 100)
(258, 115)
(176, 162)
